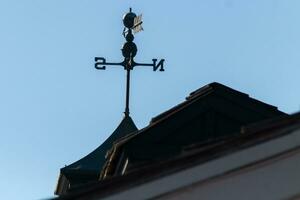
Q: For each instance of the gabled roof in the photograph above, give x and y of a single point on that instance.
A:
(209, 113)
(88, 168)
(223, 91)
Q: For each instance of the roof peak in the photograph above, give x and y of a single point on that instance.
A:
(212, 87)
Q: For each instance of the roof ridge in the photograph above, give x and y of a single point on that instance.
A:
(211, 87)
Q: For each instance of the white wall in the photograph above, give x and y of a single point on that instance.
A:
(276, 177)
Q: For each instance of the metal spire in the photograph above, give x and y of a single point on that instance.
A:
(132, 23)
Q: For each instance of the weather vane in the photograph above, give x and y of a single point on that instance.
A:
(132, 23)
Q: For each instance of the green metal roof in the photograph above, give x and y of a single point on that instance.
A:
(88, 168)
(96, 159)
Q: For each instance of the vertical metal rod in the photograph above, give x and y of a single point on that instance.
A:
(127, 92)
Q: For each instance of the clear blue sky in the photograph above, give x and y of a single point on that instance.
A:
(55, 107)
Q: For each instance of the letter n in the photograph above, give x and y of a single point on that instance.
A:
(160, 65)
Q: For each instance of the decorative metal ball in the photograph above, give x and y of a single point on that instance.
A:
(129, 49)
(129, 36)
(128, 19)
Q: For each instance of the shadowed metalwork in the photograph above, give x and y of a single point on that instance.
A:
(132, 23)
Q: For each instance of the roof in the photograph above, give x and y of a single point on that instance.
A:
(210, 113)
(250, 136)
(221, 90)
(88, 168)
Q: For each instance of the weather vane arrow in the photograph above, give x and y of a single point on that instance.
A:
(132, 23)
